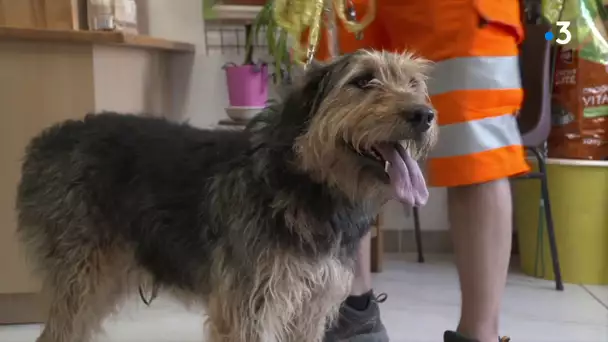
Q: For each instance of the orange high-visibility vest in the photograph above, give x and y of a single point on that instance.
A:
(475, 84)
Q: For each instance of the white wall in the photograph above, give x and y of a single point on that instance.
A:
(433, 216)
(198, 79)
(201, 82)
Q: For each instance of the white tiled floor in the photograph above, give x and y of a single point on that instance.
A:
(423, 301)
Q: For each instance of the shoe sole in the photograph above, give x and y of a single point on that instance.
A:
(381, 336)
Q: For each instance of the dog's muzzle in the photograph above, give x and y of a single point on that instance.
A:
(420, 118)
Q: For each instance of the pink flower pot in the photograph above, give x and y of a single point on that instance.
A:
(247, 85)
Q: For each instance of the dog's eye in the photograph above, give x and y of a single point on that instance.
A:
(363, 81)
(414, 83)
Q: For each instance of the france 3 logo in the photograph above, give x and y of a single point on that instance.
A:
(563, 37)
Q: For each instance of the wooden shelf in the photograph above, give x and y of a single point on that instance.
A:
(237, 14)
(94, 37)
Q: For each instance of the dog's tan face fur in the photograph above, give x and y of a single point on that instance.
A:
(370, 96)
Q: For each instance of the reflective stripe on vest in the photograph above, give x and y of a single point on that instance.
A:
(477, 136)
(474, 73)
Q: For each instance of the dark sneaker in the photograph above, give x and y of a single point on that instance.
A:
(450, 336)
(359, 326)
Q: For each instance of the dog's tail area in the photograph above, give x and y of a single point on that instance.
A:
(82, 272)
(47, 201)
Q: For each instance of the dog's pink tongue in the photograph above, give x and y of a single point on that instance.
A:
(405, 175)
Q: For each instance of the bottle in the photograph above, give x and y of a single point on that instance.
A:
(125, 12)
(100, 15)
(113, 15)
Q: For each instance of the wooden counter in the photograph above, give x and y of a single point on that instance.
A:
(50, 76)
(93, 37)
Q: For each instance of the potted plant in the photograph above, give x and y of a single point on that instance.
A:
(248, 82)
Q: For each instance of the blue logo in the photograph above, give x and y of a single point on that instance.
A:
(564, 36)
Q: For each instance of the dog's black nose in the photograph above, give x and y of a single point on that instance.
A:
(420, 118)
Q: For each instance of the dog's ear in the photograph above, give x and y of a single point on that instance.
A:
(303, 72)
(281, 123)
(315, 64)
(321, 79)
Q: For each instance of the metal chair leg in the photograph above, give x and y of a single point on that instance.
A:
(544, 188)
(377, 246)
(418, 235)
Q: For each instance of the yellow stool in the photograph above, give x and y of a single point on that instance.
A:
(579, 199)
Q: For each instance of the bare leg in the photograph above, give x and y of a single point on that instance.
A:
(481, 222)
(362, 282)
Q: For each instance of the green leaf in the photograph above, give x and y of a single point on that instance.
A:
(280, 54)
(276, 39)
(248, 45)
(270, 38)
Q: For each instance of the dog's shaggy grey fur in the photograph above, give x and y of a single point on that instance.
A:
(259, 226)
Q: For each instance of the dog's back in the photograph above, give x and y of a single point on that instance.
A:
(92, 184)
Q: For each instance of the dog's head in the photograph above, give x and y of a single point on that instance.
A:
(360, 122)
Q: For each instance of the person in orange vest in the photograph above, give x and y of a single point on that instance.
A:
(476, 89)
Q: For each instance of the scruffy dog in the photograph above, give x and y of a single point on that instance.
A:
(259, 226)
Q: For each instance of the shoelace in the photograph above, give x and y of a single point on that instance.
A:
(381, 298)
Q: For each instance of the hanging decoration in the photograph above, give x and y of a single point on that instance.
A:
(298, 16)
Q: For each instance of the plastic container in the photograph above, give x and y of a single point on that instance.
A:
(247, 85)
(579, 201)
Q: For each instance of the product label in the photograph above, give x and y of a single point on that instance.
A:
(597, 98)
(565, 77)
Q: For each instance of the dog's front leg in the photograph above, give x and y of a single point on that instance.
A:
(286, 299)
(316, 315)
(323, 293)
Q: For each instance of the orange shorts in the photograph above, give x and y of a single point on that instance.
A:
(475, 85)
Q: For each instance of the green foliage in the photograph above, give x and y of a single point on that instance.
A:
(276, 39)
